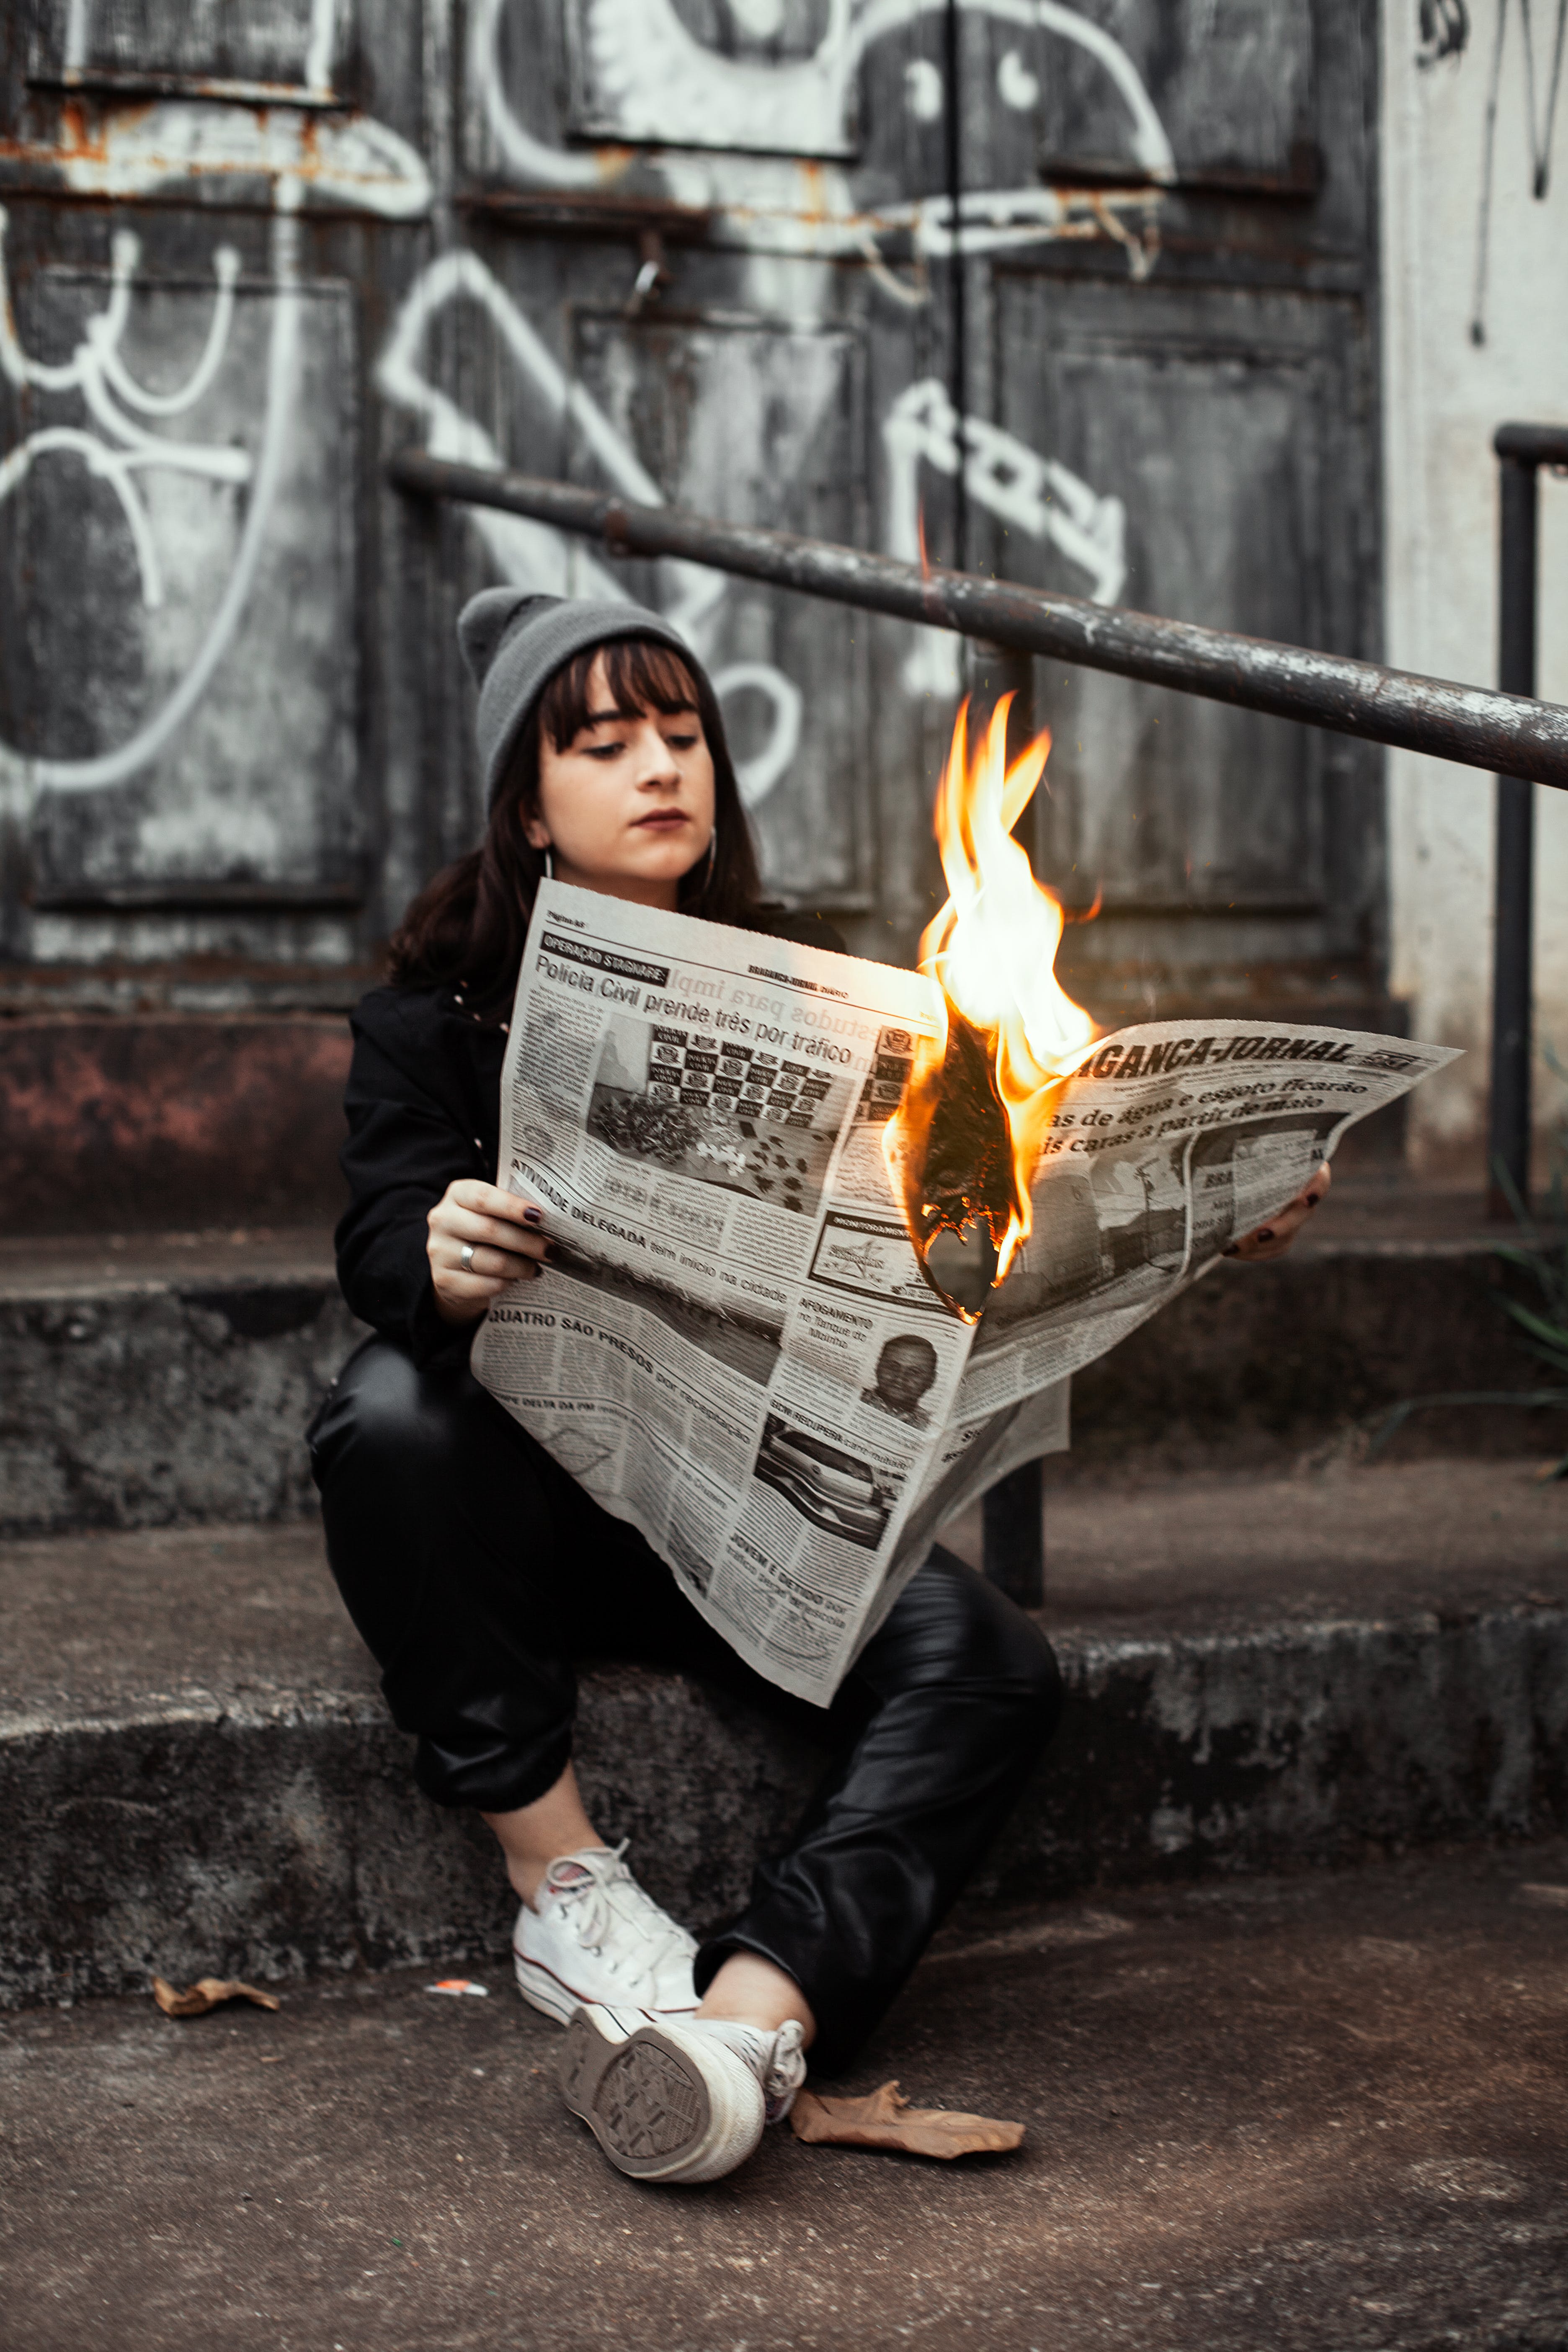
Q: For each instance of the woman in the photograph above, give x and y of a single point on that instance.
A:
(476, 1570)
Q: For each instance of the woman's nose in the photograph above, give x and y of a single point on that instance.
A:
(657, 765)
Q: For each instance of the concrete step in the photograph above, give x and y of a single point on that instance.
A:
(164, 1379)
(199, 1776)
(1305, 2112)
(151, 1380)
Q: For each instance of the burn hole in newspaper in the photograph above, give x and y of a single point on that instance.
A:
(1114, 1228)
(759, 1122)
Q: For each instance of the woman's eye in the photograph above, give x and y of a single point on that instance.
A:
(681, 742)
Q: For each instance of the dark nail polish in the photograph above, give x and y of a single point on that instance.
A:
(1265, 1232)
(1233, 1251)
(533, 1216)
(1311, 1200)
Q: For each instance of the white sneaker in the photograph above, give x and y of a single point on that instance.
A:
(592, 1934)
(682, 2103)
(776, 2059)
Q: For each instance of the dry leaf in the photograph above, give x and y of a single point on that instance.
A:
(884, 2118)
(205, 1994)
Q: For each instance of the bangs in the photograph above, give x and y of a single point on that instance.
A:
(641, 673)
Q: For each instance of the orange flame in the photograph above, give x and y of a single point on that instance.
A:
(1010, 1024)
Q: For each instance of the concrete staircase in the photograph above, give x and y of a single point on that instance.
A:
(162, 1379)
(1275, 1655)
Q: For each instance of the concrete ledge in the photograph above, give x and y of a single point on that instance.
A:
(167, 1380)
(1305, 1744)
(1256, 1361)
(254, 1812)
(157, 1392)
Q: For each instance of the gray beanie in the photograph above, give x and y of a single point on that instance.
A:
(514, 642)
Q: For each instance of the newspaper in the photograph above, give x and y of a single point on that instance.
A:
(734, 1348)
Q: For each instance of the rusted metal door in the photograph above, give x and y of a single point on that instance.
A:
(702, 250)
(1220, 397)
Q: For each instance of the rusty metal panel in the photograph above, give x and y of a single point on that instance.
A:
(280, 41)
(764, 424)
(701, 73)
(200, 527)
(1230, 83)
(191, 742)
(1226, 426)
(1206, 420)
(466, 263)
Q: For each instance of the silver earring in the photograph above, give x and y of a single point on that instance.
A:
(548, 864)
(712, 856)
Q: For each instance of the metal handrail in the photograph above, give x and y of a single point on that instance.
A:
(1533, 444)
(1522, 451)
(1508, 733)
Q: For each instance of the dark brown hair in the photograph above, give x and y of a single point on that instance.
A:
(469, 926)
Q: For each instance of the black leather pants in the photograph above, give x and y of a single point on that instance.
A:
(477, 1570)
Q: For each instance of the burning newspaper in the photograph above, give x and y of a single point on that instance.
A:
(768, 1338)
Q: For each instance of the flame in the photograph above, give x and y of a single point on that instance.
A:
(963, 1147)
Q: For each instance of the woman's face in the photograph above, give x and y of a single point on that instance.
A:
(626, 807)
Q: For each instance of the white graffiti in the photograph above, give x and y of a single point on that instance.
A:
(134, 150)
(532, 554)
(128, 153)
(1029, 492)
(87, 372)
(652, 80)
(1016, 86)
(726, 134)
(97, 371)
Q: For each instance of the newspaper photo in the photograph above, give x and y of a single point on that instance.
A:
(734, 1347)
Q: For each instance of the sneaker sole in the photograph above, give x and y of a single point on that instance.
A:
(545, 1991)
(648, 2106)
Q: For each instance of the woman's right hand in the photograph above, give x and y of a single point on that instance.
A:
(505, 1234)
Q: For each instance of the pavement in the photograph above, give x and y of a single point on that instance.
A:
(1320, 2111)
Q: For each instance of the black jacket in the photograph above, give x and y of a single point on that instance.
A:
(423, 1104)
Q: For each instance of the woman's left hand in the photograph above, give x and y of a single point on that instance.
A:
(1275, 1238)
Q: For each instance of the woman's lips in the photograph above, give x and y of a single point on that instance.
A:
(663, 820)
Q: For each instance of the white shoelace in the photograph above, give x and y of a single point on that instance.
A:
(777, 2058)
(607, 1895)
(786, 2070)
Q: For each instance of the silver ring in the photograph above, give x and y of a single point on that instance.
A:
(466, 1257)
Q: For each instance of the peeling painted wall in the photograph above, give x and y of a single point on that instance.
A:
(1477, 334)
(700, 250)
